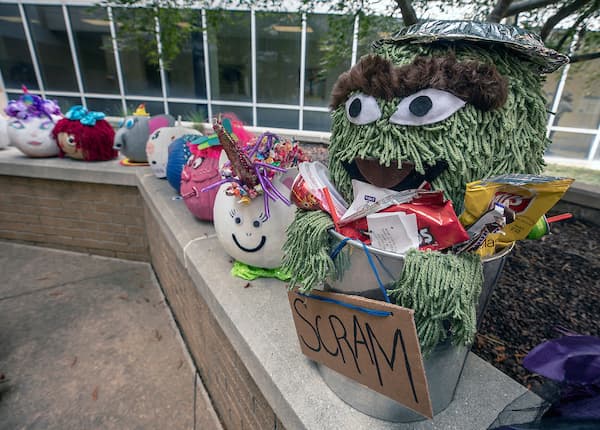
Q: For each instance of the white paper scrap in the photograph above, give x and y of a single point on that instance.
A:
(393, 231)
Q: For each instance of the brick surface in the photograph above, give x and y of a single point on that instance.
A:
(94, 218)
(235, 396)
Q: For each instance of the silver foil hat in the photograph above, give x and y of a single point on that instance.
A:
(523, 42)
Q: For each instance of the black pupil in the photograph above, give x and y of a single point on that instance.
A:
(420, 106)
(355, 108)
(256, 224)
(238, 220)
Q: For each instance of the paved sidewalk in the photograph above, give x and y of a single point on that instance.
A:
(87, 342)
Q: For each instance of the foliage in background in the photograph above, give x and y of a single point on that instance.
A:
(557, 21)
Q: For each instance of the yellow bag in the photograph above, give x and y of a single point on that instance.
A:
(529, 196)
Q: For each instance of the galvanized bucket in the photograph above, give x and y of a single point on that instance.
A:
(442, 367)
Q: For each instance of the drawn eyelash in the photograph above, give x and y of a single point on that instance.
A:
(262, 217)
(233, 212)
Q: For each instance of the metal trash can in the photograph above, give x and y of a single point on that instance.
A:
(443, 366)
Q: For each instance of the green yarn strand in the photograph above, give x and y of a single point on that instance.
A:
(442, 289)
(306, 250)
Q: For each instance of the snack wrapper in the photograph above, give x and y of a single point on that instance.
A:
(529, 196)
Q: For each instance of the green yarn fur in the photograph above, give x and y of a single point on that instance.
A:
(443, 290)
(475, 144)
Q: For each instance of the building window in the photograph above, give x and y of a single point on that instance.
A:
(186, 77)
(91, 33)
(139, 76)
(48, 31)
(323, 66)
(15, 58)
(278, 58)
(230, 55)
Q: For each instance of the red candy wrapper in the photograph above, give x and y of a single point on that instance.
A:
(438, 224)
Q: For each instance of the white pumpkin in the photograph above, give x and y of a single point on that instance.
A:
(157, 147)
(243, 229)
(34, 136)
(3, 132)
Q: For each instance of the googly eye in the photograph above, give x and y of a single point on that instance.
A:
(71, 140)
(197, 162)
(426, 107)
(130, 123)
(17, 124)
(362, 109)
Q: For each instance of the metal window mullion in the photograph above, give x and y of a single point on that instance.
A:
(595, 145)
(113, 36)
(3, 91)
(74, 56)
(32, 51)
(560, 88)
(253, 49)
(163, 79)
(355, 39)
(302, 72)
(207, 76)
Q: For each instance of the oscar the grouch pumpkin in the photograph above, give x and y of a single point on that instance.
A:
(443, 102)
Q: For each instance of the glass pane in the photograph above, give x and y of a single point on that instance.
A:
(110, 107)
(15, 59)
(139, 76)
(570, 145)
(47, 25)
(65, 102)
(153, 108)
(372, 28)
(278, 57)
(91, 31)
(580, 102)
(230, 55)
(186, 77)
(244, 114)
(326, 57)
(189, 112)
(550, 85)
(280, 118)
(317, 121)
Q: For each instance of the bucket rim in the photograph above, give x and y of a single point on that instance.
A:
(358, 244)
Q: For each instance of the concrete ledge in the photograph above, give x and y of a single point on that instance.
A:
(14, 163)
(256, 319)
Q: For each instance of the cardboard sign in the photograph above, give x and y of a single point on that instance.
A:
(372, 342)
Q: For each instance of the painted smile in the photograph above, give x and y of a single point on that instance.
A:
(263, 239)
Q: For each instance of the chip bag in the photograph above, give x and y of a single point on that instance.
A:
(437, 223)
(529, 196)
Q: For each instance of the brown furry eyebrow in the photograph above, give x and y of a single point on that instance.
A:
(474, 82)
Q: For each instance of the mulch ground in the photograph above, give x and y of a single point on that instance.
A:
(548, 287)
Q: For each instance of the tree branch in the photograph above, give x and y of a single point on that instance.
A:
(409, 16)
(499, 10)
(559, 16)
(527, 5)
(584, 57)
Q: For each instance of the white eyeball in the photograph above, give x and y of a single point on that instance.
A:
(362, 109)
(426, 107)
